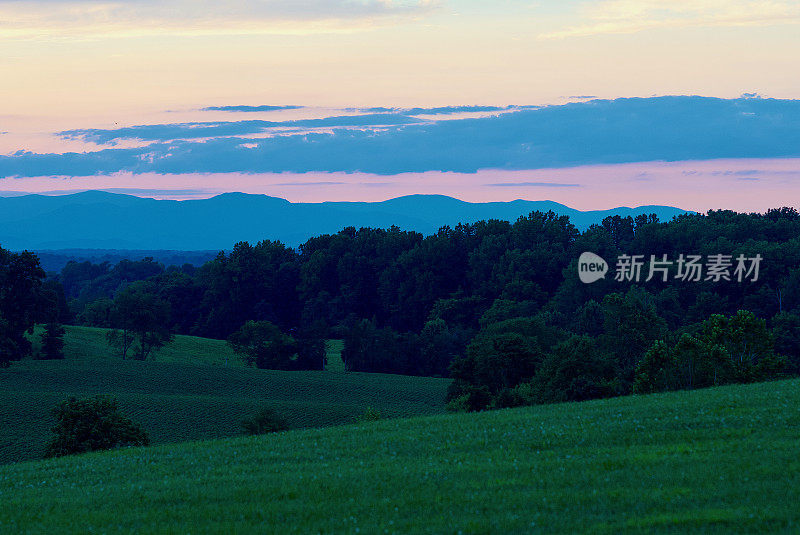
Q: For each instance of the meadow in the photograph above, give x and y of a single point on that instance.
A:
(89, 343)
(708, 461)
(186, 394)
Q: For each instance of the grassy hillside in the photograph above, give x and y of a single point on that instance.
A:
(177, 401)
(81, 343)
(716, 460)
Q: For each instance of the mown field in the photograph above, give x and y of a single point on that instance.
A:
(711, 461)
(190, 396)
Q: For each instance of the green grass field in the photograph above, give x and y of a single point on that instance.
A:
(82, 343)
(709, 461)
(185, 394)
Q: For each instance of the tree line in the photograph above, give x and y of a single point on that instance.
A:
(497, 306)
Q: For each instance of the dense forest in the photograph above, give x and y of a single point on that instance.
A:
(497, 306)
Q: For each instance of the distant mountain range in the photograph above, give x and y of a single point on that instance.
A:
(101, 220)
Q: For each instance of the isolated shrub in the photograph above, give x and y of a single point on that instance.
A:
(92, 424)
(266, 421)
(370, 415)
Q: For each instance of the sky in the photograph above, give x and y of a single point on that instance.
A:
(104, 94)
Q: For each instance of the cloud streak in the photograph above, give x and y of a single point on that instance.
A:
(605, 17)
(441, 110)
(583, 133)
(218, 129)
(86, 18)
(250, 108)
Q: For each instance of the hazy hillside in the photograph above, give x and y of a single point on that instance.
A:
(710, 461)
(99, 220)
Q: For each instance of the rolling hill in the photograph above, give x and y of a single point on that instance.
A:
(709, 461)
(89, 343)
(100, 220)
(188, 394)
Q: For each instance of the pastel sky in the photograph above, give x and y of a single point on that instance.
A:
(79, 75)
